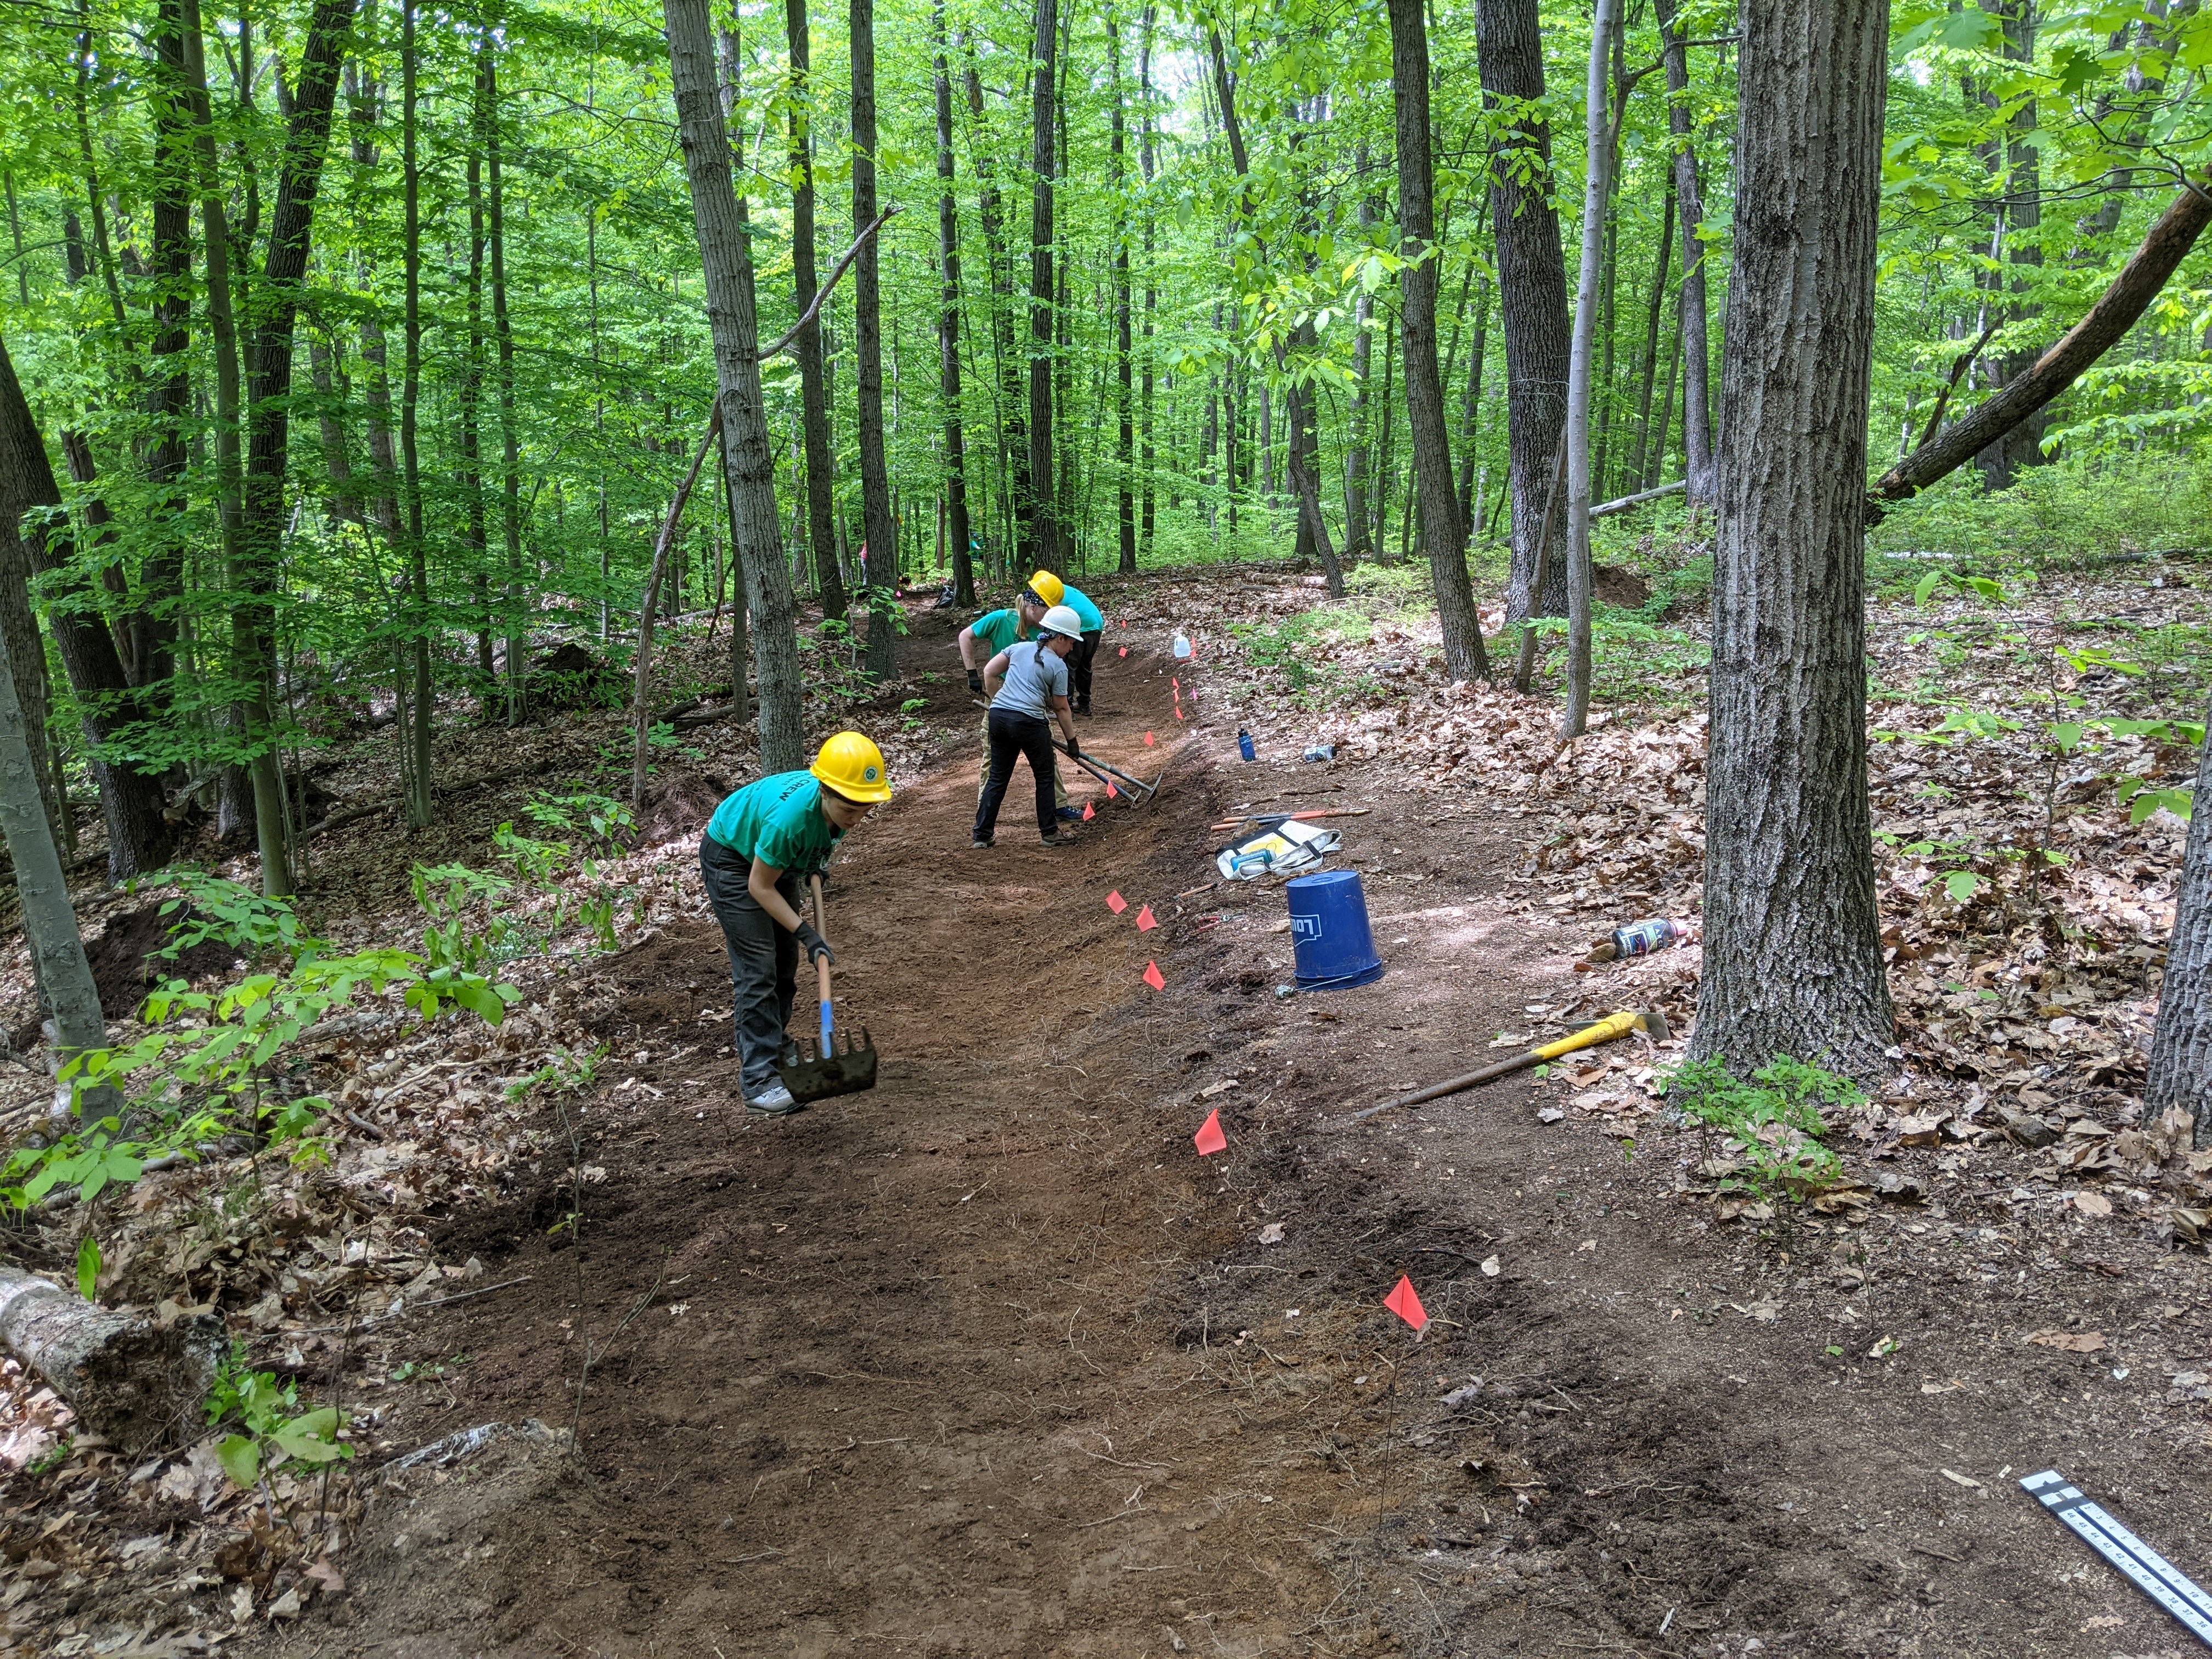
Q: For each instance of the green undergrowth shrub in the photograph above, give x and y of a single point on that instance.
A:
(1763, 1137)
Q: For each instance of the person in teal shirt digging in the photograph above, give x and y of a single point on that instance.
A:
(1049, 589)
(762, 842)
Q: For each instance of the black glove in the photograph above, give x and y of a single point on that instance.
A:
(818, 948)
(975, 679)
(1074, 749)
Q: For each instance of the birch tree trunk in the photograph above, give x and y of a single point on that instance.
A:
(728, 264)
(1793, 957)
(2181, 1048)
(124, 1377)
(1443, 537)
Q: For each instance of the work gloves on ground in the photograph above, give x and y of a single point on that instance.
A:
(818, 948)
(975, 679)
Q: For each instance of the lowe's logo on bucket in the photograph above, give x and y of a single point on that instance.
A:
(1305, 928)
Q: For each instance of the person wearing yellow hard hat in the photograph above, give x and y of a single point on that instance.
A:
(762, 842)
(1050, 590)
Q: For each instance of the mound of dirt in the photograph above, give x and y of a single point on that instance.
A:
(568, 677)
(677, 806)
(125, 965)
(1617, 586)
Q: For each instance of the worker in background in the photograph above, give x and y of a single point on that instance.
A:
(761, 844)
(983, 638)
(1028, 687)
(1050, 590)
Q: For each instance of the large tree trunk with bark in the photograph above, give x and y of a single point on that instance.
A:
(2181, 1048)
(813, 399)
(1596, 260)
(124, 1377)
(728, 264)
(1443, 537)
(1532, 297)
(130, 800)
(878, 527)
(1792, 949)
(1125, 402)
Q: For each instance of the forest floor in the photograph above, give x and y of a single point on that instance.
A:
(1097, 1394)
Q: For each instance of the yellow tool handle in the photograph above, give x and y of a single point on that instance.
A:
(1605, 1030)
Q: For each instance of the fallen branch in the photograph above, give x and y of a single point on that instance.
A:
(124, 1377)
(1606, 509)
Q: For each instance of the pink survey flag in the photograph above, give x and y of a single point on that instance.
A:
(1406, 1303)
(1147, 921)
(1115, 903)
(1153, 977)
(1209, 1139)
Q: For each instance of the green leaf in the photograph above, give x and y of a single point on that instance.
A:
(2066, 736)
(1961, 885)
(88, 1267)
(240, 1458)
(1926, 585)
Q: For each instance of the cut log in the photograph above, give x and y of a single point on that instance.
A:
(127, 1380)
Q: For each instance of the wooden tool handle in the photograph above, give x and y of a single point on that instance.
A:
(819, 925)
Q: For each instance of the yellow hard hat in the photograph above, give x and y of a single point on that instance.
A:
(1047, 587)
(853, 767)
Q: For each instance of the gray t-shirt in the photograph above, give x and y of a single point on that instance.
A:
(1035, 672)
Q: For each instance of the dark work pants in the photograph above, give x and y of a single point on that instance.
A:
(764, 960)
(1078, 669)
(1015, 734)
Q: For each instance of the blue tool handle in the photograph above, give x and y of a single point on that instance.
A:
(825, 1025)
(822, 970)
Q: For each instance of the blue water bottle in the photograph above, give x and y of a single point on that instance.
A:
(1244, 744)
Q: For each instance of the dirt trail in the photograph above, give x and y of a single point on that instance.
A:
(988, 1361)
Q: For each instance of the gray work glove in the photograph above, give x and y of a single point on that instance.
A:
(817, 947)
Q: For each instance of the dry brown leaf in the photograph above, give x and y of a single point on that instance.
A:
(2070, 1341)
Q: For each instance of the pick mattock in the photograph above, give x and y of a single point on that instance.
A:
(811, 1075)
(1136, 789)
(1651, 1022)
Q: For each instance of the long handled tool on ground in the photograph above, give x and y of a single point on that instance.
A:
(1613, 1026)
(813, 1075)
(1138, 791)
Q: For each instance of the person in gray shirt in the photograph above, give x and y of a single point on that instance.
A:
(1027, 684)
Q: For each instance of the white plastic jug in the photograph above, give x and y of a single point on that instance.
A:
(1182, 644)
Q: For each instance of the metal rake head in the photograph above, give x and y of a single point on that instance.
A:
(846, 1069)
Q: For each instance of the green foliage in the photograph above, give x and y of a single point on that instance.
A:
(215, 907)
(568, 1072)
(1300, 649)
(269, 1429)
(1770, 1125)
(606, 821)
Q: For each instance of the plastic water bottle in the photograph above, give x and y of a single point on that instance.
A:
(1183, 650)
(1244, 744)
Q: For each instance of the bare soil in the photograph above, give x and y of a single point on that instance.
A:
(989, 1361)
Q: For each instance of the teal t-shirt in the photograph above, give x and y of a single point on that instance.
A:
(1094, 620)
(995, 630)
(777, 819)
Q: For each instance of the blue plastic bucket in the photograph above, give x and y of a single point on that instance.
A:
(1328, 929)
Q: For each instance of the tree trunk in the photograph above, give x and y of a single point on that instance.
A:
(1697, 462)
(948, 323)
(1013, 427)
(261, 528)
(640, 701)
(1043, 546)
(476, 522)
(1470, 409)
(1145, 163)
(2181, 1048)
(878, 529)
(728, 264)
(58, 962)
(1125, 402)
(510, 470)
(125, 1378)
(1597, 200)
(153, 620)
(2021, 207)
(1648, 373)
(131, 801)
(421, 802)
(1443, 537)
(814, 405)
(1532, 292)
(1358, 541)
(1793, 955)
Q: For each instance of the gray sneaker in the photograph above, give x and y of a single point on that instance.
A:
(774, 1101)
